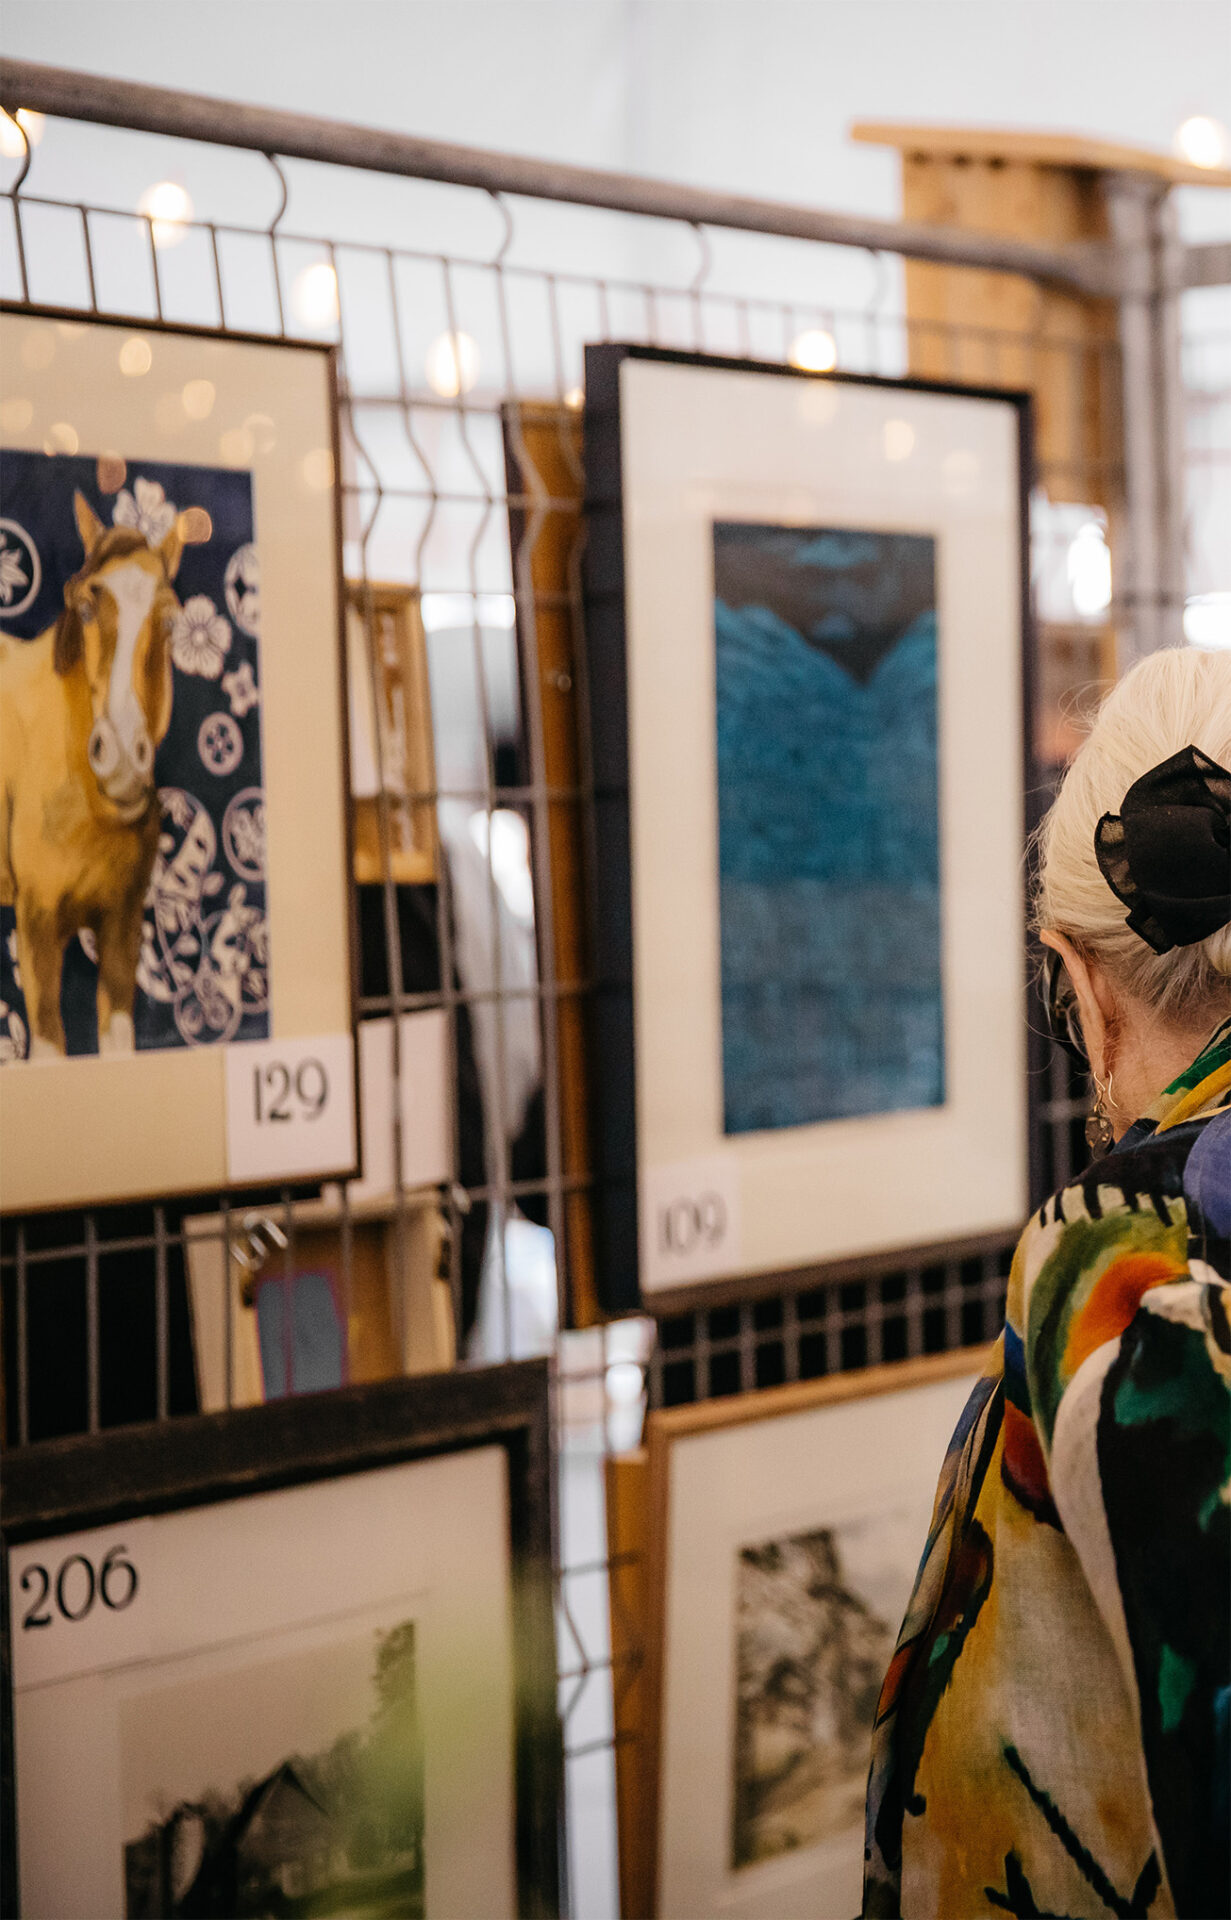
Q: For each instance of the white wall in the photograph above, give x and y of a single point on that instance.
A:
(750, 94)
(754, 95)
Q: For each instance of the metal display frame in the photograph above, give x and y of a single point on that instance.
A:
(922, 1301)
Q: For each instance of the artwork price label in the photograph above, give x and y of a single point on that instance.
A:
(290, 1108)
(81, 1601)
(690, 1221)
(70, 1590)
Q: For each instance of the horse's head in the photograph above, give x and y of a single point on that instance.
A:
(115, 626)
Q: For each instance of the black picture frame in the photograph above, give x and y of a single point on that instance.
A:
(65, 1486)
(614, 1097)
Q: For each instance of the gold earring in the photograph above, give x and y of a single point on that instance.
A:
(1100, 1134)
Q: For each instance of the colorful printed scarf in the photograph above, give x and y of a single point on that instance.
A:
(1052, 1734)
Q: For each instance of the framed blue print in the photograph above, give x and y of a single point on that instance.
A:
(828, 823)
(808, 660)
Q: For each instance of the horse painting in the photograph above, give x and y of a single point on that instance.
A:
(82, 709)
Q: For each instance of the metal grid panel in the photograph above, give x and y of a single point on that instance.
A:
(427, 503)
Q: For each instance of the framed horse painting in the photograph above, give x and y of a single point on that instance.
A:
(176, 970)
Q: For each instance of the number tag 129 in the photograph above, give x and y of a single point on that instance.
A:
(291, 1108)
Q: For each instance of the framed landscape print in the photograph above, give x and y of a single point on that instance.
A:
(297, 1659)
(764, 1548)
(176, 1001)
(807, 635)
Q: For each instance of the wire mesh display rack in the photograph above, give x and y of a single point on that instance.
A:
(441, 344)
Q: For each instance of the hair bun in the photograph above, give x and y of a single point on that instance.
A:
(1167, 853)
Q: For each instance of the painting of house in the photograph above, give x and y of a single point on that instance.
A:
(812, 1645)
(338, 1832)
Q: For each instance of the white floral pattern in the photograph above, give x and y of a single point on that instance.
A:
(14, 1040)
(242, 586)
(241, 689)
(200, 637)
(220, 744)
(12, 573)
(147, 509)
(21, 572)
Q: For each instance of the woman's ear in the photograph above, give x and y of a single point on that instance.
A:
(1095, 1002)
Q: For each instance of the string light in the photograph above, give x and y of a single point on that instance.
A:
(167, 205)
(12, 126)
(1088, 565)
(1207, 620)
(814, 351)
(452, 365)
(314, 297)
(1202, 141)
(136, 356)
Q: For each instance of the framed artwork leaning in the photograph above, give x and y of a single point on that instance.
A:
(763, 1549)
(176, 946)
(392, 756)
(296, 1659)
(808, 653)
(544, 479)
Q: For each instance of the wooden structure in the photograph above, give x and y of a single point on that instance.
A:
(393, 766)
(1000, 329)
(1003, 329)
(543, 457)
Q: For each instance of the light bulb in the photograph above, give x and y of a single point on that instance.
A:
(1088, 565)
(814, 351)
(12, 146)
(136, 356)
(167, 205)
(314, 296)
(452, 364)
(198, 399)
(1207, 620)
(1202, 141)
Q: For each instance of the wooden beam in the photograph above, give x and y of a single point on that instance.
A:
(1070, 151)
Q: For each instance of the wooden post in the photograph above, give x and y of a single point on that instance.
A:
(1000, 329)
(543, 458)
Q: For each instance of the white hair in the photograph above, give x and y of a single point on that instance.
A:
(1170, 700)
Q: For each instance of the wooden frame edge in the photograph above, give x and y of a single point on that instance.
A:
(667, 1425)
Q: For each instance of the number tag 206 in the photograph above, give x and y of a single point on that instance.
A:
(71, 1589)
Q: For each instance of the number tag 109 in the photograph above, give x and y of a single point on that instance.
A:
(689, 1222)
(291, 1108)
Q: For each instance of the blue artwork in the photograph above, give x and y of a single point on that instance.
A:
(133, 813)
(828, 839)
(317, 1344)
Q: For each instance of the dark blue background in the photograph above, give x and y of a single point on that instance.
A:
(829, 882)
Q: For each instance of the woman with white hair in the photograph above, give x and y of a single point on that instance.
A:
(1052, 1735)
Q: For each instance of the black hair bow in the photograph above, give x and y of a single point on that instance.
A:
(1167, 853)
